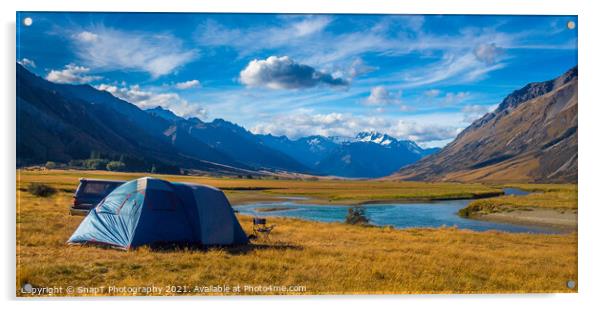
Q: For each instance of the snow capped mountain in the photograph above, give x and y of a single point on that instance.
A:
(375, 137)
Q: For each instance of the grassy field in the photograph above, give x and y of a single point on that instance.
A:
(321, 258)
(561, 197)
(323, 191)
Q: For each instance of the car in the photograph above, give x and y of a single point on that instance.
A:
(89, 193)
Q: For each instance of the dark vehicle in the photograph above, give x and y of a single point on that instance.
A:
(90, 192)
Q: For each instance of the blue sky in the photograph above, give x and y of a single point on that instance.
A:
(423, 78)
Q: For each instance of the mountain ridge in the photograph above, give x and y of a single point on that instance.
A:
(531, 136)
(79, 120)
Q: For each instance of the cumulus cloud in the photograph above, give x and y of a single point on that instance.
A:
(284, 73)
(487, 53)
(381, 96)
(110, 49)
(304, 123)
(71, 74)
(147, 99)
(188, 84)
(27, 63)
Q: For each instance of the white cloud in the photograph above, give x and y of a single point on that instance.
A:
(188, 84)
(86, 36)
(304, 123)
(455, 97)
(487, 53)
(147, 99)
(250, 40)
(111, 49)
(431, 93)
(284, 73)
(358, 68)
(27, 63)
(309, 26)
(71, 74)
(474, 112)
(379, 95)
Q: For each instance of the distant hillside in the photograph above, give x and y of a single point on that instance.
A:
(64, 123)
(369, 154)
(531, 136)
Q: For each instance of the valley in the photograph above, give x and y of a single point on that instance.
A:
(326, 258)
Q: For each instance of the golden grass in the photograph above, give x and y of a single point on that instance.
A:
(553, 196)
(325, 258)
(250, 190)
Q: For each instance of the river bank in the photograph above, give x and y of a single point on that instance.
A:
(563, 220)
(540, 205)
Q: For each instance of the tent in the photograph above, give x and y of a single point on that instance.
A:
(149, 211)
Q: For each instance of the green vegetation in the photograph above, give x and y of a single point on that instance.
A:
(116, 166)
(116, 163)
(553, 196)
(357, 216)
(326, 258)
(40, 189)
(269, 209)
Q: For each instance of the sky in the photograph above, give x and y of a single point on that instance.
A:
(417, 77)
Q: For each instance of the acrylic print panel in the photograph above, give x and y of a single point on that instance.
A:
(261, 154)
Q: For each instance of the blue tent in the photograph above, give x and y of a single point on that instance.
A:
(149, 211)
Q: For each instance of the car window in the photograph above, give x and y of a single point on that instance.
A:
(97, 188)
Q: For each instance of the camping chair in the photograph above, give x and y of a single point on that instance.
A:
(261, 228)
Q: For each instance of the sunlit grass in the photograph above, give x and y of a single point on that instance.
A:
(552, 196)
(323, 191)
(326, 258)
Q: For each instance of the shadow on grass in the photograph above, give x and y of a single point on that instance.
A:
(234, 249)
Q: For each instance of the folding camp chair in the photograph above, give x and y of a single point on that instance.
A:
(260, 227)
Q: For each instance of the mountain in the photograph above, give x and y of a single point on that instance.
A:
(368, 154)
(61, 122)
(308, 150)
(162, 113)
(240, 144)
(531, 136)
(57, 122)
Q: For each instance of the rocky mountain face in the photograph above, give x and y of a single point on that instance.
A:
(531, 136)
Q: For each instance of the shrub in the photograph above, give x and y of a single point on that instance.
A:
(50, 165)
(116, 166)
(357, 216)
(76, 163)
(40, 189)
(479, 206)
(95, 164)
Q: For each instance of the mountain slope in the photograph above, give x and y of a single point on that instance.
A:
(531, 136)
(240, 144)
(58, 122)
(307, 150)
(369, 154)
